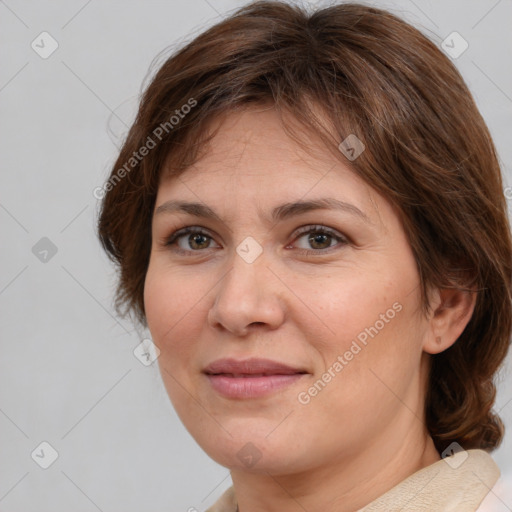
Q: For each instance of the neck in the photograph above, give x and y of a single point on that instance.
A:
(346, 484)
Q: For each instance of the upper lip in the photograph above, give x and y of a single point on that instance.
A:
(249, 367)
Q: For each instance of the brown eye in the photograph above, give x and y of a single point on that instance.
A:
(196, 241)
(199, 239)
(319, 239)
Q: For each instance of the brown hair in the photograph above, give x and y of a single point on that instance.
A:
(428, 151)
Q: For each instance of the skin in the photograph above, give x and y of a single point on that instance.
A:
(364, 432)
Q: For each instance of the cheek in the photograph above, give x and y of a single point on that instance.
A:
(371, 319)
(370, 367)
(158, 304)
(171, 315)
(348, 306)
(170, 309)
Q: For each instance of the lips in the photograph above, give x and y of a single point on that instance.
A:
(250, 378)
(250, 367)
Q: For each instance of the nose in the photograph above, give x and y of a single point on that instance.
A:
(248, 297)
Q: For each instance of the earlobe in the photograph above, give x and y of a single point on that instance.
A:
(452, 311)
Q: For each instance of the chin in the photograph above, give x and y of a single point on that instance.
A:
(251, 451)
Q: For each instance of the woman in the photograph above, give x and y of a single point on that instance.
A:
(308, 216)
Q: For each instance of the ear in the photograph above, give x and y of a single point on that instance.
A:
(451, 312)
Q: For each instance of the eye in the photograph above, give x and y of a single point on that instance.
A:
(319, 238)
(196, 240)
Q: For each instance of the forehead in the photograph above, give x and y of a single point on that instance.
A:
(253, 143)
(253, 160)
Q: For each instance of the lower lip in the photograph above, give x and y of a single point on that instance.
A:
(251, 387)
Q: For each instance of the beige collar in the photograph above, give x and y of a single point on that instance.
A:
(458, 483)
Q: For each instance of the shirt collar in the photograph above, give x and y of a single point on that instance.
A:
(457, 483)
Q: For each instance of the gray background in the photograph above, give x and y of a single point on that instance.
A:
(68, 375)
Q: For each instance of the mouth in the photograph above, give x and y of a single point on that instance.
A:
(251, 378)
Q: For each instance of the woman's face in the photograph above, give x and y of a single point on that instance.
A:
(332, 293)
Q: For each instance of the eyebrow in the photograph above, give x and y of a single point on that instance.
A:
(279, 213)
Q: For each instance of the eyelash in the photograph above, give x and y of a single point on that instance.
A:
(172, 239)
